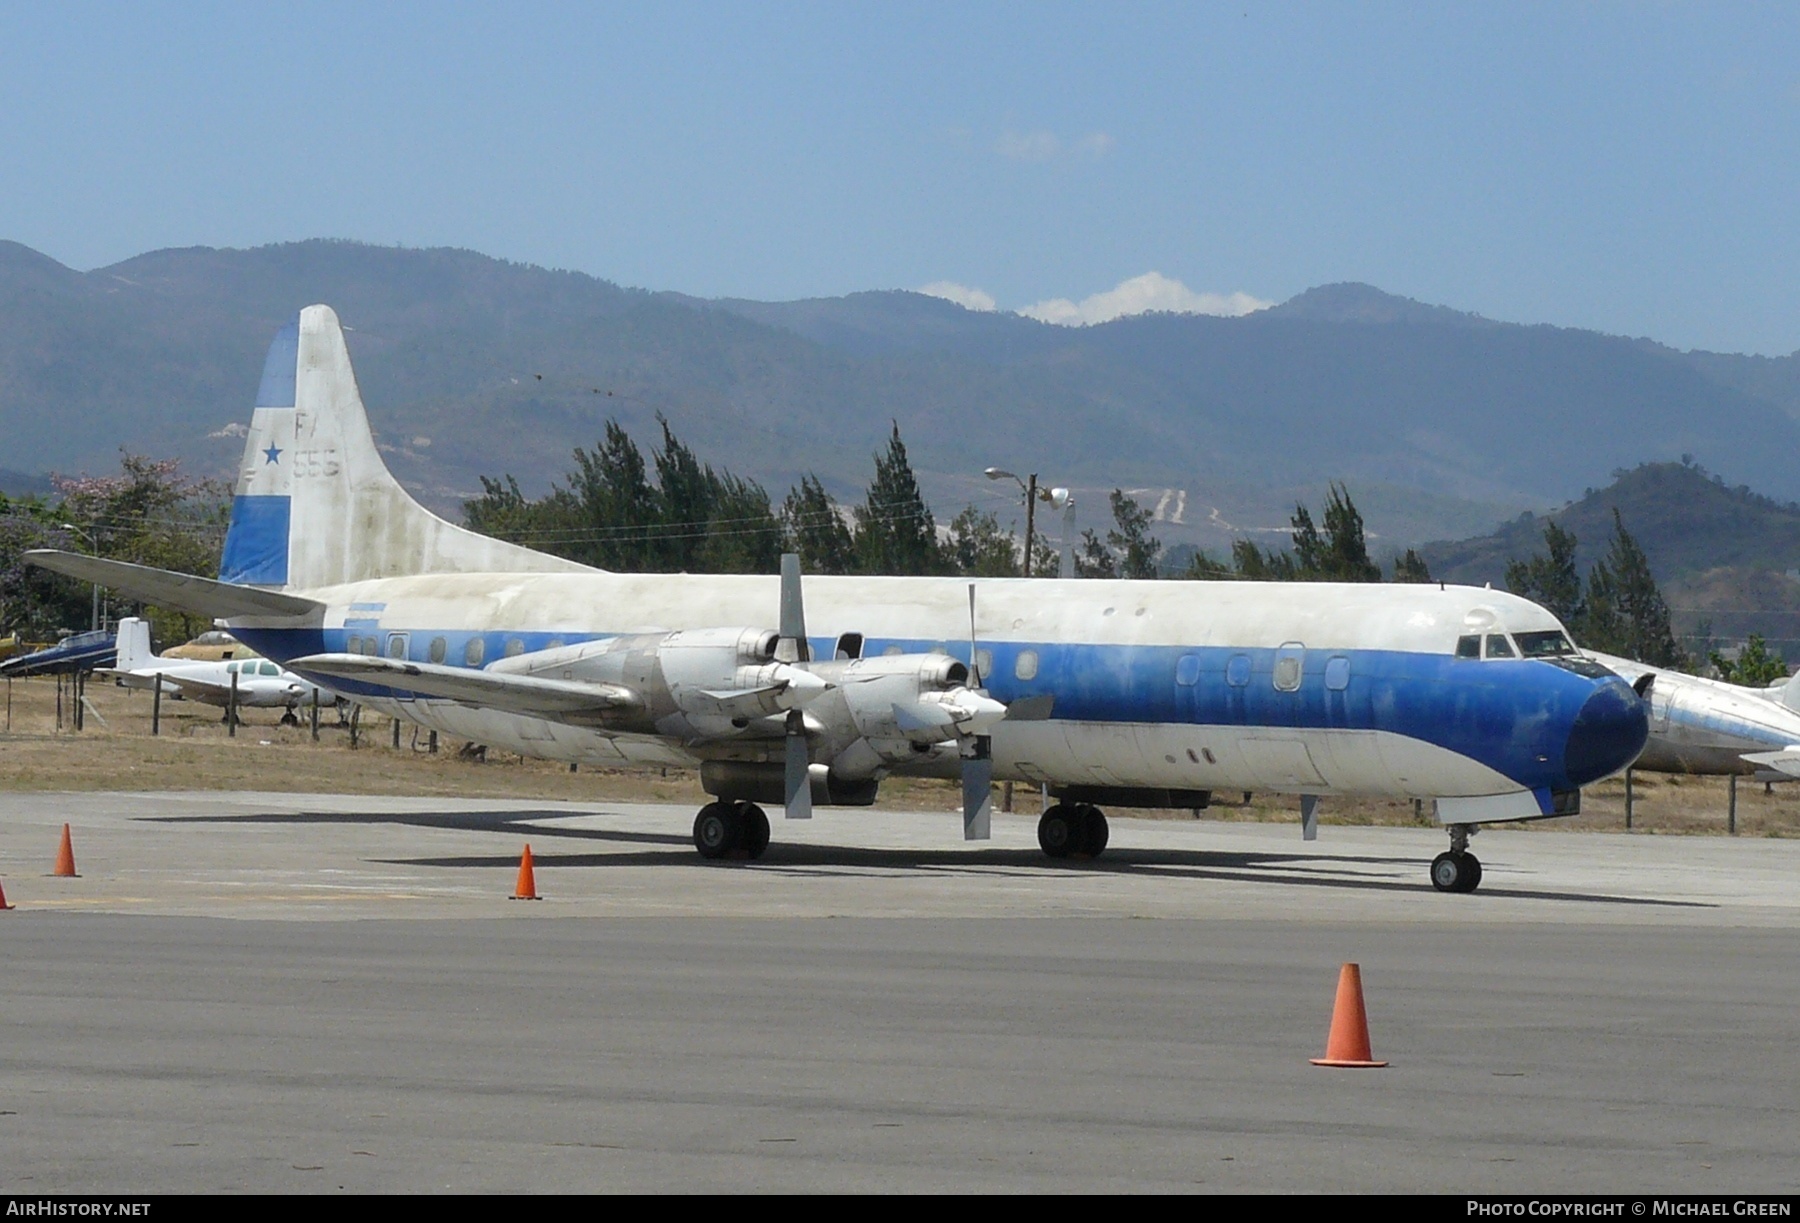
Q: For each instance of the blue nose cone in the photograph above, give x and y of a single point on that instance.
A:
(1608, 734)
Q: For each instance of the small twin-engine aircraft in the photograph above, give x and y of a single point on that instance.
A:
(1115, 693)
(259, 683)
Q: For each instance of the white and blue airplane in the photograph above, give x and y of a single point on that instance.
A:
(1116, 693)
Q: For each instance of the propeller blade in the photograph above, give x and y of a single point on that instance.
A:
(793, 613)
(974, 659)
(977, 788)
(798, 787)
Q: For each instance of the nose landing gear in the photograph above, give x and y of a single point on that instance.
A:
(1458, 870)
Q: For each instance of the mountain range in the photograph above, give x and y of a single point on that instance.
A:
(1441, 422)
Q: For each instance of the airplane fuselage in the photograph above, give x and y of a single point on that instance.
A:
(1700, 725)
(1187, 686)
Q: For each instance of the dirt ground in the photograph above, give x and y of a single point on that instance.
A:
(115, 751)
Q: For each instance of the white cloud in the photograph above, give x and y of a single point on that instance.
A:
(1140, 295)
(1028, 146)
(962, 295)
(1048, 146)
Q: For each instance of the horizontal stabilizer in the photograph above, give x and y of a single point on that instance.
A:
(177, 591)
(558, 700)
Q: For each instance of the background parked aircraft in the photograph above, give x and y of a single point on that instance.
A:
(261, 683)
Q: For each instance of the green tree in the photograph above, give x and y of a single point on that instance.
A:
(1551, 581)
(150, 514)
(1340, 553)
(979, 547)
(503, 511)
(35, 603)
(816, 529)
(1625, 612)
(895, 533)
(1200, 567)
(1411, 568)
(611, 502)
(744, 536)
(1129, 550)
(1130, 538)
(687, 500)
(1754, 667)
(1093, 559)
(1254, 564)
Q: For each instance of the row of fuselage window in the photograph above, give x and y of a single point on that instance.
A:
(473, 655)
(1285, 678)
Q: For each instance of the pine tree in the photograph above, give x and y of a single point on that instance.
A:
(1130, 538)
(744, 535)
(1551, 581)
(1093, 559)
(895, 533)
(980, 548)
(612, 501)
(686, 500)
(1342, 553)
(1754, 666)
(1644, 617)
(816, 530)
(1411, 568)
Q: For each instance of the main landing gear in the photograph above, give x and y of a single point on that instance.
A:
(1073, 830)
(731, 830)
(1459, 870)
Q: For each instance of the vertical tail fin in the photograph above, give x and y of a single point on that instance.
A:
(316, 506)
(134, 644)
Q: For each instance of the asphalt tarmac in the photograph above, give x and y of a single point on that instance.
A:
(306, 993)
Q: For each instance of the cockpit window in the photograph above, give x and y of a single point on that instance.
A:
(1499, 647)
(1468, 647)
(1548, 644)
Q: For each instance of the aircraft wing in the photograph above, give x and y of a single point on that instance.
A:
(166, 588)
(1787, 760)
(202, 690)
(558, 700)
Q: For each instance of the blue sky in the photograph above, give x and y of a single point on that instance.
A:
(1633, 168)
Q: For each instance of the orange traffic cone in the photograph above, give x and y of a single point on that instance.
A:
(1348, 1044)
(65, 857)
(3, 904)
(526, 888)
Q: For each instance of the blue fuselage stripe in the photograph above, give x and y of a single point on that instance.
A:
(1513, 716)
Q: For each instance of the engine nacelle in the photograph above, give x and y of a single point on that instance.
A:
(895, 707)
(716, 679)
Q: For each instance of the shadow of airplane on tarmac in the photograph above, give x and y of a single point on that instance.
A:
(824, 861)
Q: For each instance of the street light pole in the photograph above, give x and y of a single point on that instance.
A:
(1030, 520)
(1058, 498)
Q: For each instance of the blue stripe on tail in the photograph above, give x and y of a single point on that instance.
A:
(277, 388)
(256, 547)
